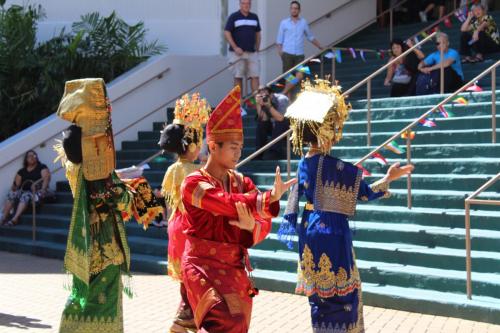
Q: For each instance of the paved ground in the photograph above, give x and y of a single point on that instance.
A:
(32, 297)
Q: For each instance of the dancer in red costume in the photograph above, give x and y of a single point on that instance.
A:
(183, 137)
(225, 215)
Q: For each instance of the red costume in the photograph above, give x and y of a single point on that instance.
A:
(214, 262)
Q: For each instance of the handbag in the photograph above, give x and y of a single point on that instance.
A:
(401, 75)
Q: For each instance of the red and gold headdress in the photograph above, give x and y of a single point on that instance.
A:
(225, 123)
(192, 112)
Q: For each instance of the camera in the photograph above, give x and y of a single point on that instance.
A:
(265, 98)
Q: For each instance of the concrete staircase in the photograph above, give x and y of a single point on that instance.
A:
(408, 259)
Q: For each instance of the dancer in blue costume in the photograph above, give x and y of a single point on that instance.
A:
(327, 271)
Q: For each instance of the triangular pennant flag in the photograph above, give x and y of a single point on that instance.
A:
(459, 14)
(424, 34)
(416, 40)
(279, 85)
(382, 54)
(395, 148)
(404, 135)
(444, 113)
(305, 69)
(353, 53)
(362, 55)
(474, 88)
(338, 56)
(427, 123)
(460, 100)
(379, 159)
(329, 55)
(366, 173)
(447, 22)
(290, 78)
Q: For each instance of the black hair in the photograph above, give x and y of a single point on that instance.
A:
(173, 139)
(25, 160)
(72, 144)
(308, 137)
(296, 3)
(399, 42)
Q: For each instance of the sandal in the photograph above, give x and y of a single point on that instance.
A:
(11, 223)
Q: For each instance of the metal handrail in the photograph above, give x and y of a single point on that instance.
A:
(156, 76)
(346, 93)
(471, 199)
(408, 128)
(33, 205)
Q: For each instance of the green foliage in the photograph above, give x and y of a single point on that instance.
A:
(32, 75)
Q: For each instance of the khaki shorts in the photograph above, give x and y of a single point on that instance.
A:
(249, 65)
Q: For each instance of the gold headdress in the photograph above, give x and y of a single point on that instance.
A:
(85, 104)
(192, 112)
(321, 107)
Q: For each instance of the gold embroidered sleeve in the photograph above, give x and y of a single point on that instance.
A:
(381, 185)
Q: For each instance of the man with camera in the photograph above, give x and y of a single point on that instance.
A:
(271, 122)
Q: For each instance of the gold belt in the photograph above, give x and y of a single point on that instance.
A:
(309, 206)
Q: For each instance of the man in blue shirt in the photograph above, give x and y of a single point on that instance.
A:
(453, 74)
(291, 35)
(242, 32)
(290, 40)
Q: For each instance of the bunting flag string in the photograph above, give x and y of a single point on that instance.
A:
(404, 135)
(474, 88)
(377, 157)
(366, 173)
(329, 55)
(362, 55)
(292, 79)
(338, 56)
(353, 53)
(445, 113)
(427, 123)
(305, 69)
(395, 148)
(460, 100)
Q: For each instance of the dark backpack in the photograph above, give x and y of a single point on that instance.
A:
(427, 83)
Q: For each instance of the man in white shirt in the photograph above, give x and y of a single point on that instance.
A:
(290, 40)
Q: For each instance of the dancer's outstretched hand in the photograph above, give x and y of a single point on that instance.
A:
(246, 221)
(396, 172)
(280, 187)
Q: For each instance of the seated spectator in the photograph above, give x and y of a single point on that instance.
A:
(401, 75)
(271, 122)
(479, 34)
(428, 6)
(428, 81)
(25, 183)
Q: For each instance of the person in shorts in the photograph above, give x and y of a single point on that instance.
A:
(242, 32)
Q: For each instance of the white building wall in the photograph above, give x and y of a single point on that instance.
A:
(184, 26)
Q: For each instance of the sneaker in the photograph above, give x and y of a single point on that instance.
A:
(423, 16)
